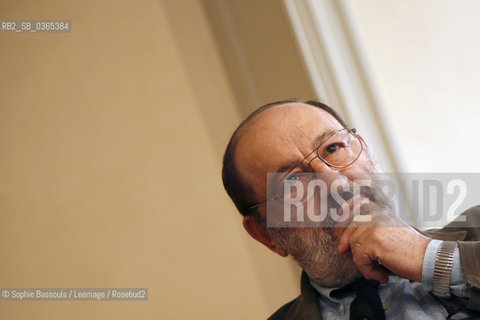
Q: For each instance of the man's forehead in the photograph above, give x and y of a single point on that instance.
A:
(280, 134)
(288, 123)
(292, 117)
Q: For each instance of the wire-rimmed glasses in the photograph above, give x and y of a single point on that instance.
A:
(340, 150)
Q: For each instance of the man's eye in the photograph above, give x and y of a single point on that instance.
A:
(331, 148)
(292, 177)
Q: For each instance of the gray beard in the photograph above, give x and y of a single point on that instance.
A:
(316, 251)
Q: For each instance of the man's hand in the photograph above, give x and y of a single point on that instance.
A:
(385, 242)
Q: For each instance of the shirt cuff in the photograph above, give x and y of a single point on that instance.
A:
(458, 283)
(429, 263)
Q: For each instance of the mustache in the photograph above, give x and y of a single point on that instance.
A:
(371, 193)
(335, 201)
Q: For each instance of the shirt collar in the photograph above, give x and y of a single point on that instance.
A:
(324, 291)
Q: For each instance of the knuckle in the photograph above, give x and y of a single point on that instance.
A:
(376, 236)
(356, 259)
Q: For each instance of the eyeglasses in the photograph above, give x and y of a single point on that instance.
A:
(340, 150)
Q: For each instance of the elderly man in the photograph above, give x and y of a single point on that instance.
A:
(351, 269)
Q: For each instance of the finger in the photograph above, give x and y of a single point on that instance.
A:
(371, 269)
(344, 242)
(359, 240)
(353, 232)
(375, 272)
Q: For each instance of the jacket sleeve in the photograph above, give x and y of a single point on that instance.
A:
(469, 248)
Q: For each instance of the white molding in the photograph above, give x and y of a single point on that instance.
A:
(336, 70)
(335, 63)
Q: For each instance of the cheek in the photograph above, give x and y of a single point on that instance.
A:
(359, 173)
(364, 164)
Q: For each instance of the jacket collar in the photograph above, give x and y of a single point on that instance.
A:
(306, 306)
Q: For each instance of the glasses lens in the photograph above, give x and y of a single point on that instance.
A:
(300, 187)
(294, 186)
(341, 149)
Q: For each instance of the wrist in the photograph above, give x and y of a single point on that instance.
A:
(425, 243)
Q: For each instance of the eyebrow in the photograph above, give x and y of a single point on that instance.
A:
(319, 141)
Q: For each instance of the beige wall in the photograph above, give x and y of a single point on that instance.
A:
(110, 141)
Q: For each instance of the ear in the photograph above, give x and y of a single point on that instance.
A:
(363, 141)
(259, 233)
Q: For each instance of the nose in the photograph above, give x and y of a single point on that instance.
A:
(319, 166)
(330, 175)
